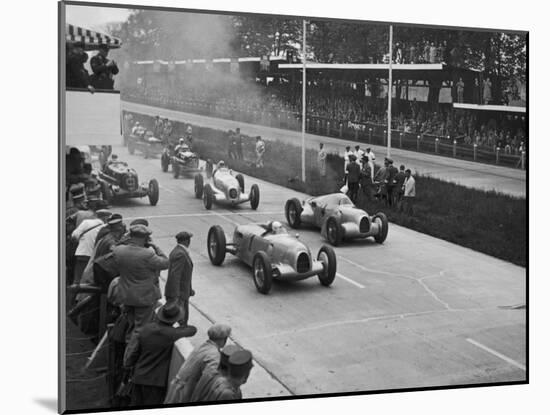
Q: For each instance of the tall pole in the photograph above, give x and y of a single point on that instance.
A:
(390, 88)
(304, 105)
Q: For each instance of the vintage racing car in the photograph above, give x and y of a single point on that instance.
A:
(337, 217)
(184, 161)
(118, 181)
(145, 143)
(272, 253)
(225, 188)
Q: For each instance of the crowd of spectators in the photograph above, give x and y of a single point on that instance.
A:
(106, 257)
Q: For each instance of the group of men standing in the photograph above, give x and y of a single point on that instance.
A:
(103, 68)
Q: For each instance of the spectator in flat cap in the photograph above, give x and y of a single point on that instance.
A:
(149, 352)
(103, 69)
(209, 375)
(203, 358)
(178, 287)
(228, 387)
(139, 261)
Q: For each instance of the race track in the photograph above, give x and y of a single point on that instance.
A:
(413, 312)
(471, 174)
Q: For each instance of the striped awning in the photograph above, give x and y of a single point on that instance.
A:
(90, 38)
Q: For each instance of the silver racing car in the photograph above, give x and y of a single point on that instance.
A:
(272, 253)
(337, 217)
(225, 188)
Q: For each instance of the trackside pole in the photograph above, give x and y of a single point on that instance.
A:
(304, 106)
(390, 92)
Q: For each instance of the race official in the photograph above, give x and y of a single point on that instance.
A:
(178, 287)
(399, 182)
(239, 140)
(390, 181)
(354, 173)
(139, 262)
(260, 151)
(358, 154)
(409, 194)
(103, 69)
(204, 358)
(322, 160)
(370, 161)
(148, 353)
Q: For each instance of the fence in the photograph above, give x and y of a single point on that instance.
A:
(365, 133)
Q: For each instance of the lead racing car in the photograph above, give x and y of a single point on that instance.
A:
(183, 161)
(225, 188)
(118, 181)
(273, 254)
(337, 217)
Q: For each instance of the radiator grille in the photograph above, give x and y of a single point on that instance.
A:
(303, 264)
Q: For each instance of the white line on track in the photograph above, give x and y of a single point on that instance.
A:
(183, 215)
(349, 280)
(497, 354)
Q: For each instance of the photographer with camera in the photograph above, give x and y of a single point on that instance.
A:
(103, 69)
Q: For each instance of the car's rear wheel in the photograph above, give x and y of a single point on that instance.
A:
(208, 196)
(199, 185)
(240, 179)
(176, 169)
(262, 272)
(254, 196)
(334, 232)
(327, 256)
(153, 192)
(382, 221)
(216, 245)
(293, 210)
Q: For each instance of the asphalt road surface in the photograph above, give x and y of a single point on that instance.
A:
(413, 312)
(471, 174)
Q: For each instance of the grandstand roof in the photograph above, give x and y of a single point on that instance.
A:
(90, 38)
(497, 108)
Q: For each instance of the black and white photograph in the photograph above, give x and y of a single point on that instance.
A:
(264, 207)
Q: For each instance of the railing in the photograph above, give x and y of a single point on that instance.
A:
(362, 132)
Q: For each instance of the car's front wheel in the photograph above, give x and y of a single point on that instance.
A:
(254, 196)
(262, 272)
(153, 192)
(327, 256)
(293, 210)
(382, 221)
(208, 196)
(334, 232)
(199, 186)
(216, 245)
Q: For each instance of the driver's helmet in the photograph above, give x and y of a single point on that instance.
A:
(182, 140)
(114, 157)
(277, 227)
(137, 124)
(189, 130)
(221, 164)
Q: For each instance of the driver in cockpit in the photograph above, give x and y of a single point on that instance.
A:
(277, 228)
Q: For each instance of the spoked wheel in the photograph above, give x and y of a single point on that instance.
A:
(199, 186)
(262, 273)
(334, 232)
(382, 221)
(293, 211)
(254, 196)
(153, 192)
(327, 256)
(216, 245)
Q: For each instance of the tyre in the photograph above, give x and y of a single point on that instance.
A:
(327, 256)
(262, 273)
(131, 148)
(254, 196)
(164, 163)
(293, 210)
(106, 192)
(216, 245)
(334, 232)
(240, 179)
(199, 186)
(176, 169)
(153, 192)
(382, 221)
(208, 196)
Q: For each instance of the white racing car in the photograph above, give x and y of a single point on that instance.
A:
(224, 188)
(273, 254)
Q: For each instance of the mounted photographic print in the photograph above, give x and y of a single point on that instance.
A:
(265, 207)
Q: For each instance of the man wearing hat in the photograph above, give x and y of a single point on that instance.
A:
(228, 387)
(139, 261)
(203, 358)
(390, 181)
(76, 75)
(178, 287)
(260, 151)
(209, 375)
(370, 161)
(103, 69)
(354, 173)
(149, 352)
